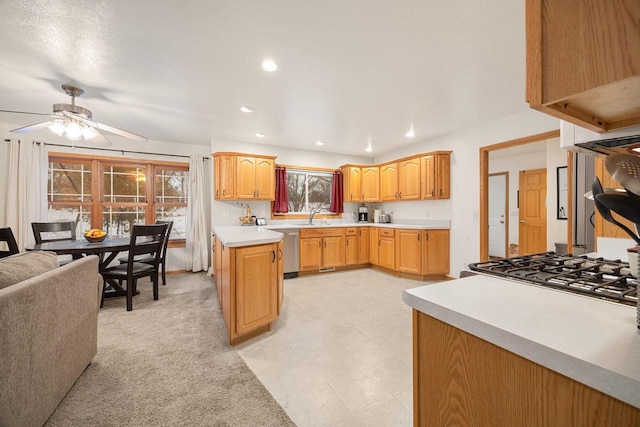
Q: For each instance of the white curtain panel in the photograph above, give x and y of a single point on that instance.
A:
(26, 189)
(197, 257)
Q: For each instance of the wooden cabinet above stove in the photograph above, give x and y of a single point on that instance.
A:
(583, 61)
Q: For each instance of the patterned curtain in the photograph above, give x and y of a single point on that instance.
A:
(337, 204)
(281, 204)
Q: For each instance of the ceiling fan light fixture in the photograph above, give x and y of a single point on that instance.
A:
(57, 128)
(73, 131)
(88, 133)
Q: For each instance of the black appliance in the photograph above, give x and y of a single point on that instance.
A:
(595, 277)
(363, 214)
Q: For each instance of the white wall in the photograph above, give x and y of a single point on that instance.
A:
(228, 212)
(175, 256)
(556, 228)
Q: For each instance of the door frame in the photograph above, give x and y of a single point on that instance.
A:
(484, 186)
(506, 213)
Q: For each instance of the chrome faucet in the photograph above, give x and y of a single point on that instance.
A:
(312, 212)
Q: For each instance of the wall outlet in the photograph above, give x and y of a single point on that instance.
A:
(475, 215)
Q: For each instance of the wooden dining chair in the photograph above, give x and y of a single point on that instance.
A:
(41, 230)
(149, 259)
(146, 240)
(64, 230)
(6, 235)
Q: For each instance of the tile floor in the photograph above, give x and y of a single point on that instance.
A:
(340, 353)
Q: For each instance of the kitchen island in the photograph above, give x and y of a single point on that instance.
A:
(249, 279)
(489, 351)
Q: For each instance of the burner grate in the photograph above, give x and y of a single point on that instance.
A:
(595, 277)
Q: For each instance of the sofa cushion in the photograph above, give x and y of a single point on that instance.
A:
(23, 266)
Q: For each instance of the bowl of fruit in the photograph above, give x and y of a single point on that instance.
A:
(94, 235)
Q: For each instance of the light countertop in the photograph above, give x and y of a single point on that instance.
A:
(405, 224)
(238, 235)
(594, 342)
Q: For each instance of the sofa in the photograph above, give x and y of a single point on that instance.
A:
(48, 332)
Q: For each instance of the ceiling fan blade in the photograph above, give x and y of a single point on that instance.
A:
(25, 112)
(100, 140)
(107, 128)
(33, 127)
(121, 132)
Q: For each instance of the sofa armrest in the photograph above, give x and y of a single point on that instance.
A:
(48, 336)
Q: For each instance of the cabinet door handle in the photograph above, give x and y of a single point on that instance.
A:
(418, 237)
(224, 192)
(280, 253)
(217, 193)
(441, 191)
(432, 193)
(350, 196)
(319, 244)
(274, 256)
(400, 195)
(426, 237)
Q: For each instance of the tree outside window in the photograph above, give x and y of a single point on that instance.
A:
(308, 191)
(116, 194)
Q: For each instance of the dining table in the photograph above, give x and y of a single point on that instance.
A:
(107, 251)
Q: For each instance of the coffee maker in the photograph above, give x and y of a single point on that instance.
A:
(363, 214)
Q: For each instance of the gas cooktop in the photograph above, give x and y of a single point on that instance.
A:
(595, 277)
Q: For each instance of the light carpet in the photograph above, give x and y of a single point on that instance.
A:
(167, 363)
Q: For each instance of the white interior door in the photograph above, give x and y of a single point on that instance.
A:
(498, 215)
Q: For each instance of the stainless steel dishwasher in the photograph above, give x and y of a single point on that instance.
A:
(291, 251)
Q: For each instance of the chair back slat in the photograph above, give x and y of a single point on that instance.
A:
(166, 238)
(53, 227)
(146, 239)
(6, 235)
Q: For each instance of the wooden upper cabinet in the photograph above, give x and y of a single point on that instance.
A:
(583, 64)
(370, 183)
(409, 179)
(435, 175)
(443, 175)
(265, 178)
(352, 183)
(223, 178)
(244, 176)
(389, 182)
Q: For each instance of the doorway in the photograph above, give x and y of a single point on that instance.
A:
(484, 191)
(498, 218)
(532, 211)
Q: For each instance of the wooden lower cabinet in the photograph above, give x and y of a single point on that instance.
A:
(460, 379)
(280, 275)
(409, 251)
(373, 246)
(356, 241)
(321, 248)
(351, 246)
(249, 280)
(387, 248)
(363, 245)
(422, 252)
(436, 248)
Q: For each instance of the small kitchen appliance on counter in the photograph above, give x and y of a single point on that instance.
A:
(363, 214)
(376, 215)
(385, 218)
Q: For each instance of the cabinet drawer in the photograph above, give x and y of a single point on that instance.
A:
(387, 232)
(351, 231)
(322, 232)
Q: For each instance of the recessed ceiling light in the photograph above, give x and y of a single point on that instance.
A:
(246, 109)
(269, 65)
(410, 133)
(369, 148)
(319, 142)
(260, 134)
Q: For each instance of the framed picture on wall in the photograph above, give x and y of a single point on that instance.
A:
(561, 192)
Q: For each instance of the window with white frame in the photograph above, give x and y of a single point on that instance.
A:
(308, 190)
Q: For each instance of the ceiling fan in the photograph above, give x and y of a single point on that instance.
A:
(75, 122)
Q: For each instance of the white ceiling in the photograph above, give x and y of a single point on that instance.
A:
(350, 71)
